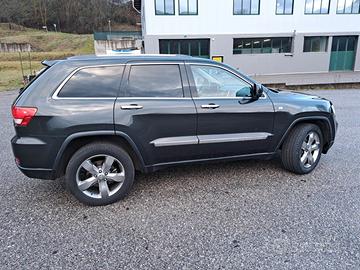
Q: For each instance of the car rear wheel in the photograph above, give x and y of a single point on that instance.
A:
(302, 149)
(99, 174)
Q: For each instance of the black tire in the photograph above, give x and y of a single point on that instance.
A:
(292, 148)
(95, 150)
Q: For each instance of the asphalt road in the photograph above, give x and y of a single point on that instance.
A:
(239, 215)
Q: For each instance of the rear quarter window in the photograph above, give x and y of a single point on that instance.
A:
(94, 82)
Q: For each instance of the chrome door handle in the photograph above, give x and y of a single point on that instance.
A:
(210, 106)
(131, 107)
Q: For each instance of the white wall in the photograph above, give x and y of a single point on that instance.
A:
(216, 17)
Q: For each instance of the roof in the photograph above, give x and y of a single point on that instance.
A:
(92, 60)
(132, 57)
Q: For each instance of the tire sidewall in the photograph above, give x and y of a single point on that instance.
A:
(99, 149)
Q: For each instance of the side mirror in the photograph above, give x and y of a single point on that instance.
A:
(257, 91)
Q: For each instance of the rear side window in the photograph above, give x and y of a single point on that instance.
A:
(96, 82)
(154, 81)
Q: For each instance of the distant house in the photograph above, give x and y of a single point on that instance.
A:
(268, 38)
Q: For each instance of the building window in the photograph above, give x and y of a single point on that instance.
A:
(315, 44)
(193, 47)
(262, 45)
(348, 7)
(317, 6)
(284, 7)
(246, 7)
(165, 7)
(188, 7)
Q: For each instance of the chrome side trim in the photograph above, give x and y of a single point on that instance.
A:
(175, 141)
(154, 98)
(264, 96)
(58, 89)
(234, 137)
(205, 139)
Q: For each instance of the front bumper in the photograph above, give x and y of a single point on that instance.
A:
(333, 135)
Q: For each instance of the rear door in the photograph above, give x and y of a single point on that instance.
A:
(230, 123)
(155, 109)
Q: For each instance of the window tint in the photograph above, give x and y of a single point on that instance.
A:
(217, 82)
(164, 7)
(93, 82)
(154, 81)
(315, 44)
(262, 45)
(246, 7)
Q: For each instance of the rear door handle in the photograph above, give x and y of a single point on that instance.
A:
(131, 107)
(210, 106)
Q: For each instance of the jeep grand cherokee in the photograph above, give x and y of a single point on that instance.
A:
(95, 120)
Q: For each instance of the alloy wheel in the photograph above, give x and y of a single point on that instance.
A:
(310, 149)
(100, 176)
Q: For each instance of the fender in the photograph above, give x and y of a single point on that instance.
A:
(305, 118)
(98, 133)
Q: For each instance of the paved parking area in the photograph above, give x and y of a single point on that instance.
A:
(238, 215)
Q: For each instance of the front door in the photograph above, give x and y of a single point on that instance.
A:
(230, 123)
(343, 51)
(156, 111)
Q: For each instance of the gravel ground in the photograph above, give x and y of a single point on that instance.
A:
(239, 215)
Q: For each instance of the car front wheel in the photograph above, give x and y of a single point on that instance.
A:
(302, 149)
(99, 174)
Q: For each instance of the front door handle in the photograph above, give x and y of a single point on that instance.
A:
(210, 106)
(131, 107)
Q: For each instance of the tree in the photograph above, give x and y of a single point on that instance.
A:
(77, 16)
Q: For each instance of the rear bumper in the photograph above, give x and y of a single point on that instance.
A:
(34, 156)
(46, 174)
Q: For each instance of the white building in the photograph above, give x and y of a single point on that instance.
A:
(275, 40)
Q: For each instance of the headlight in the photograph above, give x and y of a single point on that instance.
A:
(333, 109)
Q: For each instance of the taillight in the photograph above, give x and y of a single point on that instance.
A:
(23, 115)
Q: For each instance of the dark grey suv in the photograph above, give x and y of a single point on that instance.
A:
(97, 120)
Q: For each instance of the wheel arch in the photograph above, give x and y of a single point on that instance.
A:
(321, 121)
(75, 141)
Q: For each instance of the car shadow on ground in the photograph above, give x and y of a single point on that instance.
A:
(211, 175)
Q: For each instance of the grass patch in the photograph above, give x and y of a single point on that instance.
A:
(45, 45)
(11, 76)
(42, 41)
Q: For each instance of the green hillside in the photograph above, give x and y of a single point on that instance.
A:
(45, 45)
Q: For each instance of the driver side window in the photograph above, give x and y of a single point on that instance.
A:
(213, 81)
